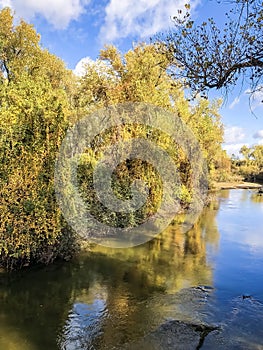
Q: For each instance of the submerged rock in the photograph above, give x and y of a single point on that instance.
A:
(175, 335)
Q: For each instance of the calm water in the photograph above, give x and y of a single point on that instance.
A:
(110, 298)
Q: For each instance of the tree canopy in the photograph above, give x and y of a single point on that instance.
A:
(34, 115)
(40, 99)
(209, 56)
(140, 75)
(250, 165)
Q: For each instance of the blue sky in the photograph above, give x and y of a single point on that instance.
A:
(77, 29)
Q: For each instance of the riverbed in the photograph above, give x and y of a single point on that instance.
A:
(116, 298)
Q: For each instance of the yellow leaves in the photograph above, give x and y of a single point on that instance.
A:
(189, 24)
(28, 218)
(36, 106)
(34, 114)
(6, 24)
(111, 54)
(139, 75)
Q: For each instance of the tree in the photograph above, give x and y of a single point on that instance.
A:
(39, 100)
(140, 75)
(252, 165)
(207, 56)
(257, 156)
(34, 115)
(245, 151)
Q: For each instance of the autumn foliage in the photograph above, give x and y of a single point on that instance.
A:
(40, 99)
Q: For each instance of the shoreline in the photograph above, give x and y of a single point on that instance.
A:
(217, 186)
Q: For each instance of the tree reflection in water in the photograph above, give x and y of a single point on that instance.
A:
(106, 297)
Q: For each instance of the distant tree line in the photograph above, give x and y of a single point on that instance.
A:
(250, 164)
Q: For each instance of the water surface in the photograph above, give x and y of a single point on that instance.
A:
(111, 298)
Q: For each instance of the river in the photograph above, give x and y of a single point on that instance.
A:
(110, 299)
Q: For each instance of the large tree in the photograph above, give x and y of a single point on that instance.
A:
(141, 76)
(209, 56)
(34, 115)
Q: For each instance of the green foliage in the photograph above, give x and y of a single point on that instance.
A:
(141, 76)
(251, 166)
(34, 115)
(40, 99)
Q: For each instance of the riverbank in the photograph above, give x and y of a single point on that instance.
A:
(235, 185)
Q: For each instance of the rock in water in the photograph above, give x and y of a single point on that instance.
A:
(175, 335)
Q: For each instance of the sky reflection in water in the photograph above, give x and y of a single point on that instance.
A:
(109, 298)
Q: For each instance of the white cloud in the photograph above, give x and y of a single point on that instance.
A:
(234, 148)
(57, 12)
(98, 65)
(258, 134)
(234, 103)
(233, 134)
(5, 3)
(142, 18)
(259, 137)
(80, 66)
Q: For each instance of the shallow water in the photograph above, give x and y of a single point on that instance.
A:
(110, 299)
